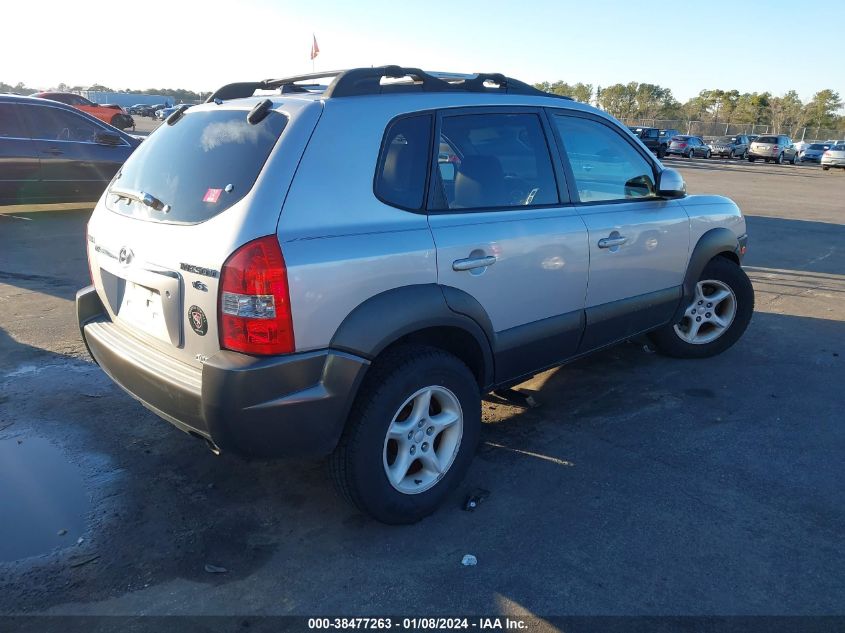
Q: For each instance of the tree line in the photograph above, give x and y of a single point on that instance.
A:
(650, 101)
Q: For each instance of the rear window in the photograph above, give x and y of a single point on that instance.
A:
(200, 166)
(818, 146)
(767, 139)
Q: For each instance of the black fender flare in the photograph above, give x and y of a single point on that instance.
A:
(713, 243)
(388, 316)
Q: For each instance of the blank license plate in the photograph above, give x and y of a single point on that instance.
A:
(141, 307)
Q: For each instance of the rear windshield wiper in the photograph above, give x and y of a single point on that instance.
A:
(144, 198)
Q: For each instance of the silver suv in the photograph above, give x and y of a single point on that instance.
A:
(346, 269)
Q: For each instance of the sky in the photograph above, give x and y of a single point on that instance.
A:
(684, 45)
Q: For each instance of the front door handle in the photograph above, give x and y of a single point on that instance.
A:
(473, 262)
(55, 151)
(610, 242)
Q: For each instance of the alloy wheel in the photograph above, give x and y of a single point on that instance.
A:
(710, 313)
(423, 439)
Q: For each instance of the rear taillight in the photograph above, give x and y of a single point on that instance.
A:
(681, 144)
(255, 316)
(775, 147)
(827, 153)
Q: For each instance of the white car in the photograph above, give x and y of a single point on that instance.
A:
(800, 146)
(834, 157)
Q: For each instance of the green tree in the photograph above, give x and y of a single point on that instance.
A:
(580, 91)
(821, 110)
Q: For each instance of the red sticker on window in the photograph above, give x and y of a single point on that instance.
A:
(211, 195)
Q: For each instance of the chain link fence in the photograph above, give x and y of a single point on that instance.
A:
(724, 128)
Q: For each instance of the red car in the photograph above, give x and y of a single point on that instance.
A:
(111, 114)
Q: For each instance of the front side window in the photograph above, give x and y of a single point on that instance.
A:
(10, 123)
(55, 124)
(606, 167)
(403, 163)
(488, 161)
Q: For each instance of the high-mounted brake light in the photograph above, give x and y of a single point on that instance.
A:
(254, 306)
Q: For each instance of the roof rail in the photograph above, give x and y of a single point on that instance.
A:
(370, 81)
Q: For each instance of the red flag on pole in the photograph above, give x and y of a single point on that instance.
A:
(315, 50)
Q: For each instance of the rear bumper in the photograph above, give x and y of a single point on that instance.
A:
(293, 405)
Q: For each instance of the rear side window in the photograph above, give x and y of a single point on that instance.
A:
(488, 161)
(10, 123)
(403, 162)
(199, 166)
(767, 139)
(55, 124)
(605, 165)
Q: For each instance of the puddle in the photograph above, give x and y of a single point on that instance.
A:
(41, 495)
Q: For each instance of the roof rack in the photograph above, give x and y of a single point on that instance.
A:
(382, 80)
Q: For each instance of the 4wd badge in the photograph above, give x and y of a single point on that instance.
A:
(196, 317)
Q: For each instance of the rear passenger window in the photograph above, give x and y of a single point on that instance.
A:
(56, 124)
(10, 124)
(488, 161)
(606, 166)
(403, 163)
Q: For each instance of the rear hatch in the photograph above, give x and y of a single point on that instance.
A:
(196, 190)
(764, 144)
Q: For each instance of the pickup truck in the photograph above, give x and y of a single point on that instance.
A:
(650, 136)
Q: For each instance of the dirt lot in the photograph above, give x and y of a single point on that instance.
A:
(643, 485)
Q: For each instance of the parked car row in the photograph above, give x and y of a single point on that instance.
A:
(109, 113)
(775, 148)
(162, 113)
(145, 109)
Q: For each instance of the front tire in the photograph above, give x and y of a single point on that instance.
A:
(779, 160)
(715, 318)
(794, 158)
(411, 435)
(707, 154)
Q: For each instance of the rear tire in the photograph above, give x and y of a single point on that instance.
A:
(779, 160)
(825, 168)
(718, 331)
(374, 439)
(689, 154)
(751, 160)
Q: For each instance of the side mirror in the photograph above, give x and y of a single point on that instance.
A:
(670, 184)
(107, 138)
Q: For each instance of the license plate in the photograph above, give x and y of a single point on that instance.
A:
(141, 307)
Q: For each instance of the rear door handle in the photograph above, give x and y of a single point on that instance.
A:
(473, 262)
(610, 242)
